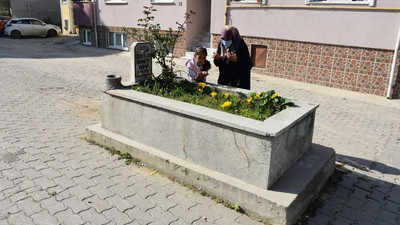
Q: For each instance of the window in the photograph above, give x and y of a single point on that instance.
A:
(249, 1)
(117, 40)
(87, 38)
(351, 2)
(115, 1)
(162, 1)
(24, 22)
(64, 1)
(36, 22)
(66, 24)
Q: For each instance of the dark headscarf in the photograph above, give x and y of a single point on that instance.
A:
(229, 32)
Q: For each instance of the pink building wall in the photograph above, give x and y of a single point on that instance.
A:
(126, 15)
(358, 28)
(350, 49)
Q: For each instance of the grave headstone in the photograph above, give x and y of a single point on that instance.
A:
(141, 61)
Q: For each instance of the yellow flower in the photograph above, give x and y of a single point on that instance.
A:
(226, 95)
(258, 96)
(287, 106)
(202, 84)
(200, 90)
(274, 96)
(226, 104)
(274, 104)
(249, 99)
(213, 94)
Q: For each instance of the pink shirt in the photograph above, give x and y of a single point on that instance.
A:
(193, 69)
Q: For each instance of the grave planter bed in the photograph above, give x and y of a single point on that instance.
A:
(267, 167)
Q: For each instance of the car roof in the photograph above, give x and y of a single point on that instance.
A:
(25, 19)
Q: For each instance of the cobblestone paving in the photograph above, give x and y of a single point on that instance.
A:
(50, 90)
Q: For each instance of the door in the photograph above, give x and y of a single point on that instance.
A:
(86, 37)
(38, 27)
(25, 27)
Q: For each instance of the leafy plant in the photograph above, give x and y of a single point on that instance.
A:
(163, 42)
(256, 106)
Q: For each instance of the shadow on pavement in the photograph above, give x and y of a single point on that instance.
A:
(55, 47)
(366, 165)
(354, 198)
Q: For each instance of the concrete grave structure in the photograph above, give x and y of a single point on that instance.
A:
(267, 167)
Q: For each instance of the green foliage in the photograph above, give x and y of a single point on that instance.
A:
(256, 106)
(162, 42)
(123, 155)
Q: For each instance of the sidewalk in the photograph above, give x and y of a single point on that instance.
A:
(364, 130)
(50, 175)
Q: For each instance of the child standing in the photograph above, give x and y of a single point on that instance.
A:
(198, 66)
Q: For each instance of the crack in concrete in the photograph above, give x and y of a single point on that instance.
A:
(241, 150)
(184, 141)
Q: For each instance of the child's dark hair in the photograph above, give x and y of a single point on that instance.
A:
(200, 51)
(203, 51)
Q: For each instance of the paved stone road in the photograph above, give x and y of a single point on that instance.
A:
(50, 90)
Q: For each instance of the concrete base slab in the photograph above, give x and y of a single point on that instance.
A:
(283, 203)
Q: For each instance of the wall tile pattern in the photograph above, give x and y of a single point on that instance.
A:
(351, 68)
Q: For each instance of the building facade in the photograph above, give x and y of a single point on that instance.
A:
(67, 18)
(346, 44)
(109, 17)
(46, 10)
(5, 8)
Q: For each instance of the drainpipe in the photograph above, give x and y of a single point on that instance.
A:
(95, 22)
(226, 12)
(392, 71)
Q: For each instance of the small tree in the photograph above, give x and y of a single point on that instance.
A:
(162, 42)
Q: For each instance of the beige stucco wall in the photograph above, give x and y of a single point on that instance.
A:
(66, 13)
(359, 28)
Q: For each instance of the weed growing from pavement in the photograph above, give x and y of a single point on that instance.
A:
(333, 181)
(121, 155)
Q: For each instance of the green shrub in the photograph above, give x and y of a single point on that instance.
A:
(257, 106)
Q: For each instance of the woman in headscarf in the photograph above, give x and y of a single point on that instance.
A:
(233, 59)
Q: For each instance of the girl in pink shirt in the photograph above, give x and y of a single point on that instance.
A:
(198, 66)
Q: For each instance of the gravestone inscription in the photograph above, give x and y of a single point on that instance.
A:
(141, 61)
